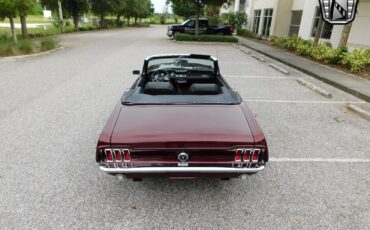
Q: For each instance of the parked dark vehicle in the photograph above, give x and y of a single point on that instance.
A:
(204, 28)
(181, 120)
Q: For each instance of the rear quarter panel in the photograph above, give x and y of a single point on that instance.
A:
(259, 137)
(106, 134)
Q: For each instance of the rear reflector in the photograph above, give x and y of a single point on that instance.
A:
(109, 155)
(247, 155)
(238, 155)
(118, 155)
(127, 155)
(255, 155)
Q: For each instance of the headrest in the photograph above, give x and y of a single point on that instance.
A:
(203, 89)
(159, 88)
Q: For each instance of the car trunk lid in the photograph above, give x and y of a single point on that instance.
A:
(154, 127)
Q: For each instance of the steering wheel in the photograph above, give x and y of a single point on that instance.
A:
(160, 75)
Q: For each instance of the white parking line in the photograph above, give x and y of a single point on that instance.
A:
(324, 160)
(262, 77)
(307, 102)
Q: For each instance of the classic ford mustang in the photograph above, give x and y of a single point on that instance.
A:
(181, 120)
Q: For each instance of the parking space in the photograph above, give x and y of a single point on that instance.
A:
(52, 109)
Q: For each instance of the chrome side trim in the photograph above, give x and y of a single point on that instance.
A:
(182, 170)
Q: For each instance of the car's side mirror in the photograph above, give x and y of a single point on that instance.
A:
(136, 72)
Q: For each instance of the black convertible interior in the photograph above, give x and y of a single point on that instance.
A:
(181, 82)
(168, 84)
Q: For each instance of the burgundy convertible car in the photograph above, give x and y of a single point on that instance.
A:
(181, 120)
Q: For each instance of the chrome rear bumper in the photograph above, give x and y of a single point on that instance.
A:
(146, 170)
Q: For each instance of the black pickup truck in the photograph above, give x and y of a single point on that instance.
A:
(204, 28)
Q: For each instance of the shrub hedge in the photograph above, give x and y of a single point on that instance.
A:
(24, 46)
(356, 61)
(205, 38)
(248, 34)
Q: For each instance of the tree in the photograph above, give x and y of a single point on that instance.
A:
(102, 8)
(55, 5)
(24, 7)
(129, 8)
(319, 30)
(144, 9)
(70, 8)
(345, 34)
(75, 9)
(183, 8)
(119, 7)
(8, 9)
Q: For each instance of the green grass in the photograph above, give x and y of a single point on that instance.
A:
(24, 46)
(30, 19)
(49, 44)
(205, 38)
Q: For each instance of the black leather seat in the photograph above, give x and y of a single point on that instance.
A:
(204, 89)
(159, 88)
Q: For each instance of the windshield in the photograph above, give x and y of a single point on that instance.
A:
(184, 23)
(184, 63)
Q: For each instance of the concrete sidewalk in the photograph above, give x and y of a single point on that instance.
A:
(352, 84)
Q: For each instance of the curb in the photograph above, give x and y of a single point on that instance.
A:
(244, 50)
(306, 71)
(361, 112)
(281, 70)
(315, 88)
(32, 55)
(258, 58)
(205, 43)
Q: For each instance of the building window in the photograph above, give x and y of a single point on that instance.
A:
(267, 19)
(242, 6)
(296, 22)
(326, 28)
(256, 21)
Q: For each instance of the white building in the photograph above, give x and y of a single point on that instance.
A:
(301, 17)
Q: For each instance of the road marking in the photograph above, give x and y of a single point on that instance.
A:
(324, 160)
(307, 102)
(262, 77)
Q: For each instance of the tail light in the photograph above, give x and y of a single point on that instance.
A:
(247, 155)
(255, 155)
(118, 155)
(127, 155)
(109, 155)
(238, 155)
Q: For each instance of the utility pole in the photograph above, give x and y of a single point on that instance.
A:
(60, 15)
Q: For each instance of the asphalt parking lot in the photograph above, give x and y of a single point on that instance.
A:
(53, 107)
